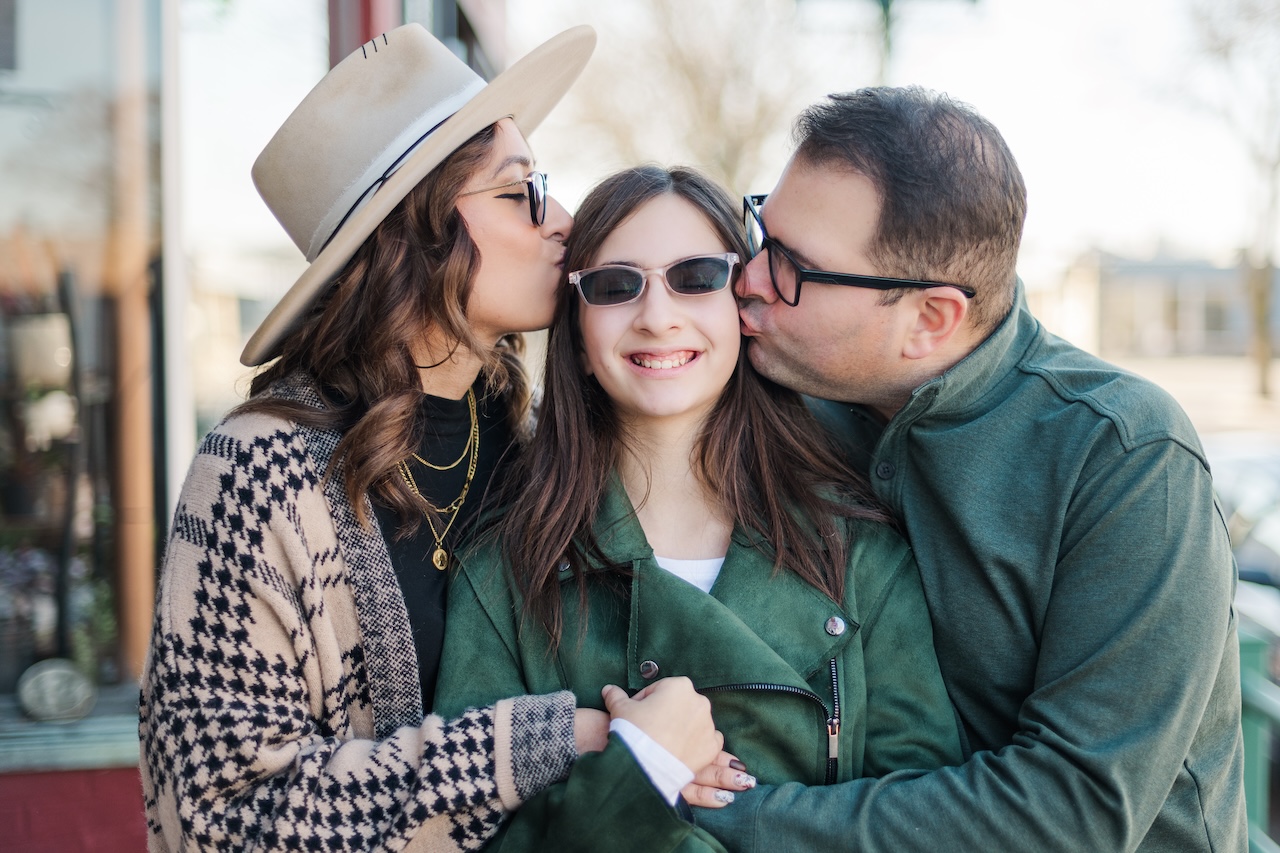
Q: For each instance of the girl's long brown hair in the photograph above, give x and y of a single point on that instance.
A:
(414, 272)
(761, 451)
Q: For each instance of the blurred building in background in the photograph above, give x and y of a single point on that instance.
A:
(99, 391)
(1160, 307)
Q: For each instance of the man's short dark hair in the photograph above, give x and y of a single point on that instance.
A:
(952, 200)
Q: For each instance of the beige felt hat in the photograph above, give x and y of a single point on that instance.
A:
(374, 127)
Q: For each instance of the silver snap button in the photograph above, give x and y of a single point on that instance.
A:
(835, 626)
(648, 669)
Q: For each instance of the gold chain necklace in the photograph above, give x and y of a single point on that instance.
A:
(471, 403)
(440, 557)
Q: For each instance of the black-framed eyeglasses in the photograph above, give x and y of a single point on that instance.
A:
(537, 194)
(618, 284)
(787, 275)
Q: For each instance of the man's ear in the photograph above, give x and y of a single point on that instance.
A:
(941, 314)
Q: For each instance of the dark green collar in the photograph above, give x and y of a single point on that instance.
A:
(967, 381)
(756, 624)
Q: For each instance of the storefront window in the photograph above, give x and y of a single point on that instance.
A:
(79, 267)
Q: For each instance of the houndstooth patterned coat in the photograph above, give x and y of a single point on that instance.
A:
(281, 707)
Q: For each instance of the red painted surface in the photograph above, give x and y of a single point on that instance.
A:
(379, 16)
(72, 811)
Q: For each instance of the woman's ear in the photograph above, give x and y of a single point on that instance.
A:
(940, 314)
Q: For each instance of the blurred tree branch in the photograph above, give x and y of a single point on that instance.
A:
(886, 24)
(708, 83)
(1240, 39)
(713, 83)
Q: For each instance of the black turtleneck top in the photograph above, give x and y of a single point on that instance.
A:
(448, 425)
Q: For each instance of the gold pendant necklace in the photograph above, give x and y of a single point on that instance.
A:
(440, 557)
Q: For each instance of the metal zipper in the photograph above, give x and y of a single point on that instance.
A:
(831, 717)
(833, 725)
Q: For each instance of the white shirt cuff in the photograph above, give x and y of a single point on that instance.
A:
(667, 773)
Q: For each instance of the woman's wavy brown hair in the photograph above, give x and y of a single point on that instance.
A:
(414, 272)
(761, 450)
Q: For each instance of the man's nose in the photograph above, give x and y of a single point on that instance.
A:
(754, 283)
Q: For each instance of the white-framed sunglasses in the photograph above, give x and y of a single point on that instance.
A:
(618, 284)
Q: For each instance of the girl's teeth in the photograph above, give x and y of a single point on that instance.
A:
(660, 364)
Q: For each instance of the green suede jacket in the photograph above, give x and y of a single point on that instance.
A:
(767, 649)
(1080, 580)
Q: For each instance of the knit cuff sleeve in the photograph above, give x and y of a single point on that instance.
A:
(533, 744)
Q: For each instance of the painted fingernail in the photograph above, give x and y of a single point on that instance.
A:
(746, 780)
(724, 796)
(736, 764)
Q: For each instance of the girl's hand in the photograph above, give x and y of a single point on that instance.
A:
(713, 786)
(672, 713)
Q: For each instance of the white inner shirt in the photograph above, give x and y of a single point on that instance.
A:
(700, 573)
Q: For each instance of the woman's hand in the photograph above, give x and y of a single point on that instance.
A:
(590, 730)
(713, 786)
(672, 713)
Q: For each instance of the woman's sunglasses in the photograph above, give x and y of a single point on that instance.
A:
(618, 284)
(537, 192)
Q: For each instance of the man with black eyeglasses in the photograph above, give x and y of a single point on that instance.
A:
(1077, 569)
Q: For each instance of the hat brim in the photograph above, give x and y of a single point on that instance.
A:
(526, 92)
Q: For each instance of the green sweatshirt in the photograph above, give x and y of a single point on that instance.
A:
(1080, 583)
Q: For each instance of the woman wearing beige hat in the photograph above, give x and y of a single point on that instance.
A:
(300, 612)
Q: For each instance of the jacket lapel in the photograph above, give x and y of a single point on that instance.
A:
(785, 611)
(755, 626)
